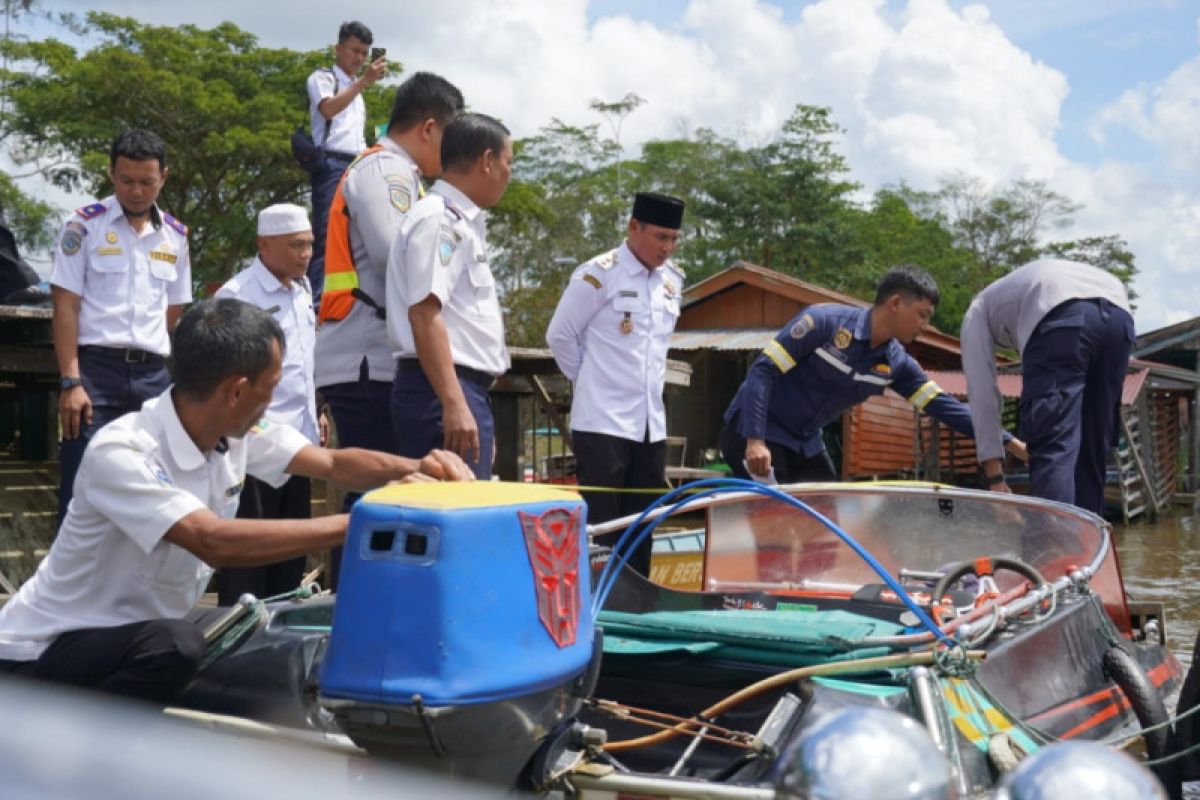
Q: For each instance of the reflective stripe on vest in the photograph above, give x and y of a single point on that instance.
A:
(341, 276)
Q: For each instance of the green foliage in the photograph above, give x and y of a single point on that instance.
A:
(1106, 252)
(224, 105)
(31, 221)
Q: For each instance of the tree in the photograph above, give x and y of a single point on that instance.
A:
(784, 205)
(1106, 252)
(556, 214)
(1003, 227)
(224, 106)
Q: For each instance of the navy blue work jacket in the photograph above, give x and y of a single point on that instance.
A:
(821, 364)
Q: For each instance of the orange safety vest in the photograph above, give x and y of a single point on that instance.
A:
(341, 276)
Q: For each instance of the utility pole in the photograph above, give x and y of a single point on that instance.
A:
(616, 112)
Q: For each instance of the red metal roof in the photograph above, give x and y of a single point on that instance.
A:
(955, 383)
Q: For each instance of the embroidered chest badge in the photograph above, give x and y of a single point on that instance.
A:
(842, 339)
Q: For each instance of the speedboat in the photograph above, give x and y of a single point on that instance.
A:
(998, 624)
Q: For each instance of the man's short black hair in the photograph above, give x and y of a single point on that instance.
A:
(468, 137)
(138, 145)
(357, 30)
(912, 283)
(217, 338)
(424, 96)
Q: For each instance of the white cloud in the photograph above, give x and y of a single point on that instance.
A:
(923, 87)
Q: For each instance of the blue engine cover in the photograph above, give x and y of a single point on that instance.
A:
(462, 593)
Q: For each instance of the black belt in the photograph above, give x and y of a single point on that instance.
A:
(339, 156)
(412, 365)
(130, 355)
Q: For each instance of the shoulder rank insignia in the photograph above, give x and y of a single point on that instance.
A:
(452, 211)
(92, 211)
(842, 339)
(176, 224)
(801, 327)
(592, 279)
(605, 261)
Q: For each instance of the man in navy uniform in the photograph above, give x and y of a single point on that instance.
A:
(826, 360)
(1071, 324)
(120, 280)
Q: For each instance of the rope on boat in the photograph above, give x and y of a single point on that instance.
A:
(253, 614)
(897, 660)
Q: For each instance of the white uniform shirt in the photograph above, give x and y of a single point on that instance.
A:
(1005, 314)
(125, 280)
(109, 565)
(610, 335)
(294, 399)
(442, 250)
(379, 190)
(345, 129)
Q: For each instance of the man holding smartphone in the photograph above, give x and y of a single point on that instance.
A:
(339, 118)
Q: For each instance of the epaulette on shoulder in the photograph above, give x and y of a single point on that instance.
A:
(453, 211)
(176, 224)
(92, 211)
(606, 260)
(678, 269)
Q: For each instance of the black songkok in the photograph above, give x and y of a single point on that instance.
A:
(662, 210)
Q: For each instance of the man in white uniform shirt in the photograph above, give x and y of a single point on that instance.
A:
(355, 367)
(610, 335)
(339, 120)
(1071, 324)
(275, 282)
(154, 513)
(443, 312)
(121, 278)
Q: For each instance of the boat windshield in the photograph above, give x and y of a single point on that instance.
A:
(916, 533)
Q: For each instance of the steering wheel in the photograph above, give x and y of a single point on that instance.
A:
(984, 569)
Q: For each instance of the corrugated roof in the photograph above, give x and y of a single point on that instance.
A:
(729, 339)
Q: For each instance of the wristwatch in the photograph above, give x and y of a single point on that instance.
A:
(992, 480)
(69, 383)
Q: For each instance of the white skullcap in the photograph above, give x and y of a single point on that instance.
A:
(282, 218)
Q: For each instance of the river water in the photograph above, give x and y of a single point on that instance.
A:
(1160, 561)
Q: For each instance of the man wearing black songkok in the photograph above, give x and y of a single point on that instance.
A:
(610, 335)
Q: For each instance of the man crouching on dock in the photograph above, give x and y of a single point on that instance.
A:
(154, 508)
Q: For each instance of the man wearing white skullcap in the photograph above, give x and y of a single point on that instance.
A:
(275, 281)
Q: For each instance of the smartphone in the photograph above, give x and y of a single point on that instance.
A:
(377, 53)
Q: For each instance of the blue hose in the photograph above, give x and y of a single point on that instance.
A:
(629, 540)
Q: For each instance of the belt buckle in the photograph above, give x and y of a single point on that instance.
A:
(133, 356)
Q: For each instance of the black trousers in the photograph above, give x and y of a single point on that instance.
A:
(789, 466)
(358, 409)
(260, 500)
(152, 660)
(116, 387)
(604, 460)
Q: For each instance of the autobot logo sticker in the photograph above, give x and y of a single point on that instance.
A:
(552, 540)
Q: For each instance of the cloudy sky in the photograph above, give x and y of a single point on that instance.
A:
(1096, 97)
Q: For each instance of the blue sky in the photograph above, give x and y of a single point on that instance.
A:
(1098, 98)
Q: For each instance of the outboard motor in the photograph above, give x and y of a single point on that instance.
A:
(463, 630)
